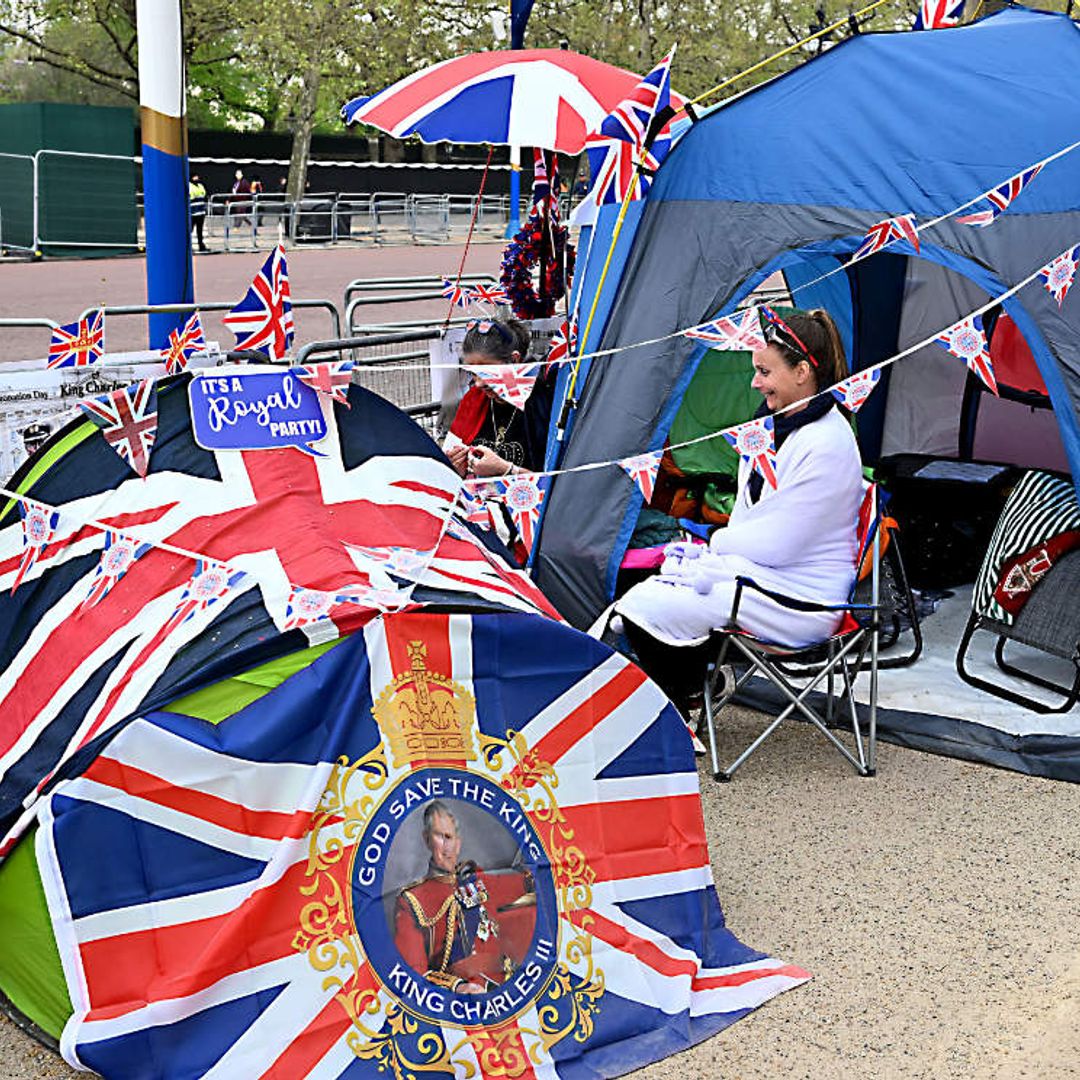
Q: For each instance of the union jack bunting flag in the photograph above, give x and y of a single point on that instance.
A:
(1058, 274)
(78, 344)
(185, 867)
(967, 340)
(473, 498)
(523, 494)
(487, 294)
(184, 345)
(564, 342)
(39, 524)
(307, 606)
(128, 419)
(855, 389)
(938, 14)
(331, 378)
(885, 232)
(210, 582)
(457, 294)
(999, 198)
(738, 333)
(263, 320)
(117, 558)
(512, 383)
(753, 442)
(282, 517)
(642, 469)
(619, 146)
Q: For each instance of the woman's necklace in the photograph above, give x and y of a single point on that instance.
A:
(500, 432)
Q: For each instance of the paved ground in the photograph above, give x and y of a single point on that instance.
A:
(936, 905)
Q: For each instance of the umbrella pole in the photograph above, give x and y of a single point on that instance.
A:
(514, 221)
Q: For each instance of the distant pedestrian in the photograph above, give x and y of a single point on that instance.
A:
(197, 198)
(241, 187)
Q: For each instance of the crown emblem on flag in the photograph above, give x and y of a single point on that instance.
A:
(427, 717)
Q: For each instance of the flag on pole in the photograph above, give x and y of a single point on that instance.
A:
(1000, 197)
(753, 442)
(938, 14)
(853, 391)
(885, 232)
(78, 344)
(564, 342)
(1058, 274)
(967, 340)
(642, 469)
(128, 419)
(38, 528)
(457, 294)
(488, 294)
(263, 320)
(184, 345)
(117, 558)
(331, 378)
(731, 333)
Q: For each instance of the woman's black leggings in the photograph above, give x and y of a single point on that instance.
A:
(679, 670)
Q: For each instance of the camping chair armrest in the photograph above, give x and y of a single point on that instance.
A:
(794, 603)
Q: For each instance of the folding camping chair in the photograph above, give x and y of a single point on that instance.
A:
(1027, 589)
(853, 647)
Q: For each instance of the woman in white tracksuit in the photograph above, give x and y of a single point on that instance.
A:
(798, 538)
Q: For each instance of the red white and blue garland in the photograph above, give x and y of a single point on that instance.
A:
(520, 258)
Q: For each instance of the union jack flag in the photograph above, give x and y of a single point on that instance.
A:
(616, 149)
(331, 378)
(642, 469)
(545, 190)
(1000, 197)
(938, 14)
(523, 494)
(885, 232)
(967, 340)
(128, 419)
(39, 525)
(78, 344)
(564, 342)
(263, 320)
(457, 294)
(512, 383)
(487, 294)
(117, 558)
(178, 867)
(1058, 274)
(281, 517)
(853, 391)
(753, 442)
(184, 345)
(731, 333)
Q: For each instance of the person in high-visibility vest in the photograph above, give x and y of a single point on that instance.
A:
(197, 198)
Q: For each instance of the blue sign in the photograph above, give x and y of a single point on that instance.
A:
(261, 410)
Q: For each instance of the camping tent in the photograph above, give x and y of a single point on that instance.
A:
(790, 177)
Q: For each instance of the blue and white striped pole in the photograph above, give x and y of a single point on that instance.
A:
(162, 111)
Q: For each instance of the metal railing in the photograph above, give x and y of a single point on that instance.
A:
(369, 292)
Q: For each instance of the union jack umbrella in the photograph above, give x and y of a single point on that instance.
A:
(331, 378)
(967, 340)
(730, 333)
(39, 525)
(128, 419)
(525, 97)
(642, 469)
(1000, 197)
(885, 232)
(117, 558)
(753, 442)
(618, 146)
(938, 14)
(523, 495)
(855, 389)
(456, 293)
(1058, 274)
(78, 344)
(512, 383)
(263, 320)
(487, 294)
(184, 345)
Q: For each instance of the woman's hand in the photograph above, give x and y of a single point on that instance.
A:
(459, 458)
(485, 462)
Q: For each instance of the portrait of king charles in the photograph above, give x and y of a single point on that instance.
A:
(462, 927)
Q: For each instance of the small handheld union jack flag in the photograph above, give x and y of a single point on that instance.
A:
(753, 442)
(938, 14)
(523, 495)
(731, 333)
(78, 344)
(128, 420)
(642, 469)
(118, 556)
(616, 149)
(487, 294)
(853, 391)
(512, 383)
(209, 583)
(39, 525)
(1000, 197)
(885, 232)
(967, 340)
(331, 378)
(1058, 274)
(456, 293)
(184, 345)
(263, 320)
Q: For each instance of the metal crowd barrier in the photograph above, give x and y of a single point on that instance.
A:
(367, 292)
